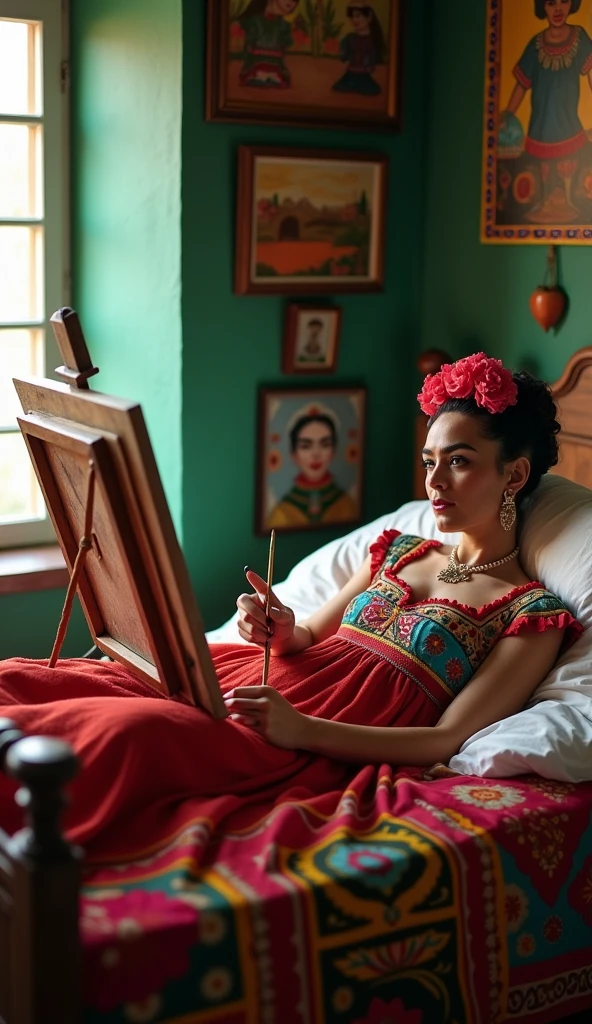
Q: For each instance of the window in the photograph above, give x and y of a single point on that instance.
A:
(33, 236)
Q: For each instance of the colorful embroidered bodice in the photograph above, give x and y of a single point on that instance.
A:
(438, 643)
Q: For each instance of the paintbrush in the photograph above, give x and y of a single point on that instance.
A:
(268, 604)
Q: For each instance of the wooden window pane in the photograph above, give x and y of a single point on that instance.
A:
(21, 179)
(21, 275)
(20, 497)
(21, 355)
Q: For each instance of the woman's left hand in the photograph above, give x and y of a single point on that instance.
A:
(265, 710)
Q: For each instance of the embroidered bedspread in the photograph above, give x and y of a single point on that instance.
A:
(458, 900)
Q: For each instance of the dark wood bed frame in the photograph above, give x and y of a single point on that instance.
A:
(40, 952)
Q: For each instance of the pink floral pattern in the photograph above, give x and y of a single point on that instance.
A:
(124, 933)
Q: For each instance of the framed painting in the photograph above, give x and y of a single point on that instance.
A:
(319, 63)
(309, 221)
(310, 458)
(537, 151)
(311, 339)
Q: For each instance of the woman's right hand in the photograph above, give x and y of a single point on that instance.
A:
(253, 626)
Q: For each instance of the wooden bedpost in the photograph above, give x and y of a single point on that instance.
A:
(39, 882)
(429, 361)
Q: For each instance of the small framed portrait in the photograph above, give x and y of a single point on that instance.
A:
(311, 339)
(309, 221)
(310, 458)
(323, 63)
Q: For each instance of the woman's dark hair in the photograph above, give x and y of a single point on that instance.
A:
(528, 428)
(375, 29)
(304, 421)
(539, 8)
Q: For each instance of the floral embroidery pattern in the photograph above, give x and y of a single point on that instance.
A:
(553, 928)
(434, 644)
(454, 669)
(580, 892)
(377, 611)
(525, 945)
(543, 835)
(516, 907)
(488, 797)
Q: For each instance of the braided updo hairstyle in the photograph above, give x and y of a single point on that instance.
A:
(528, 428)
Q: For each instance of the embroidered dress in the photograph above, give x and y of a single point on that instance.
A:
(267, 37)
(553, 73)
(152, 765)
(359, 52)
(307, 504)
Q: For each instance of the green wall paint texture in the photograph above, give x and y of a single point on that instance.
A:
(30, 623)
(126, 153)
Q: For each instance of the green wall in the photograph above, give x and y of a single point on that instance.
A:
(30, 622)
(232, 345)
(126, 216)
(476, 296)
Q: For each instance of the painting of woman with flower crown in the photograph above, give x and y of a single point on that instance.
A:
(320, 62)
(537, 184)
(311, 458)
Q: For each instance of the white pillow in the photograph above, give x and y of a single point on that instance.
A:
(556, 547)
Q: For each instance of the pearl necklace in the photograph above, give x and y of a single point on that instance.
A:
(459, 572)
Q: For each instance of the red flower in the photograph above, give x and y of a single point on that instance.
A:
(380, 1012)
(434, 644)
(433, 394)
(491, 385)
(454, 669)
(553, 928)
(505, 180)
(496, 389)
(377, 612)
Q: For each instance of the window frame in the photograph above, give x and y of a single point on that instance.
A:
(56, 189)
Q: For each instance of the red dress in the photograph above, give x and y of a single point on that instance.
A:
(151, 766)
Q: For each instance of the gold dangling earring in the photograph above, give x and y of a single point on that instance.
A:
(508, 511)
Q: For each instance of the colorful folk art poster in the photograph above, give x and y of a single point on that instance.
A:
(309, 221)
(537, 173)
(328, 62)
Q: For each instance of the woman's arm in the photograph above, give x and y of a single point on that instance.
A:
(283, 634)
(518, 94)
(501, 687)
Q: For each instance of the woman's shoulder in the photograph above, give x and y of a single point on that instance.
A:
(533, 609)
(392, 544)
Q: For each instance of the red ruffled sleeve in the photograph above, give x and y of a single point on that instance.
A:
(541, 610)
(380, 549)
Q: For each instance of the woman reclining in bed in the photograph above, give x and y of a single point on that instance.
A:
(410, 642)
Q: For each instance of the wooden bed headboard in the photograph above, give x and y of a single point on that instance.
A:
(573, 394)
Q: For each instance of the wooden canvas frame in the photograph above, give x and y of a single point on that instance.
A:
(258, 108)
(336, 280)
(158, 632)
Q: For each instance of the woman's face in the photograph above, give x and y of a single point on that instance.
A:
(359, 20)
(557, 12)
(314, 450)
(463, 478)
(283, 7)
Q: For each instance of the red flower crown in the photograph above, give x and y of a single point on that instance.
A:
(477, 376)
